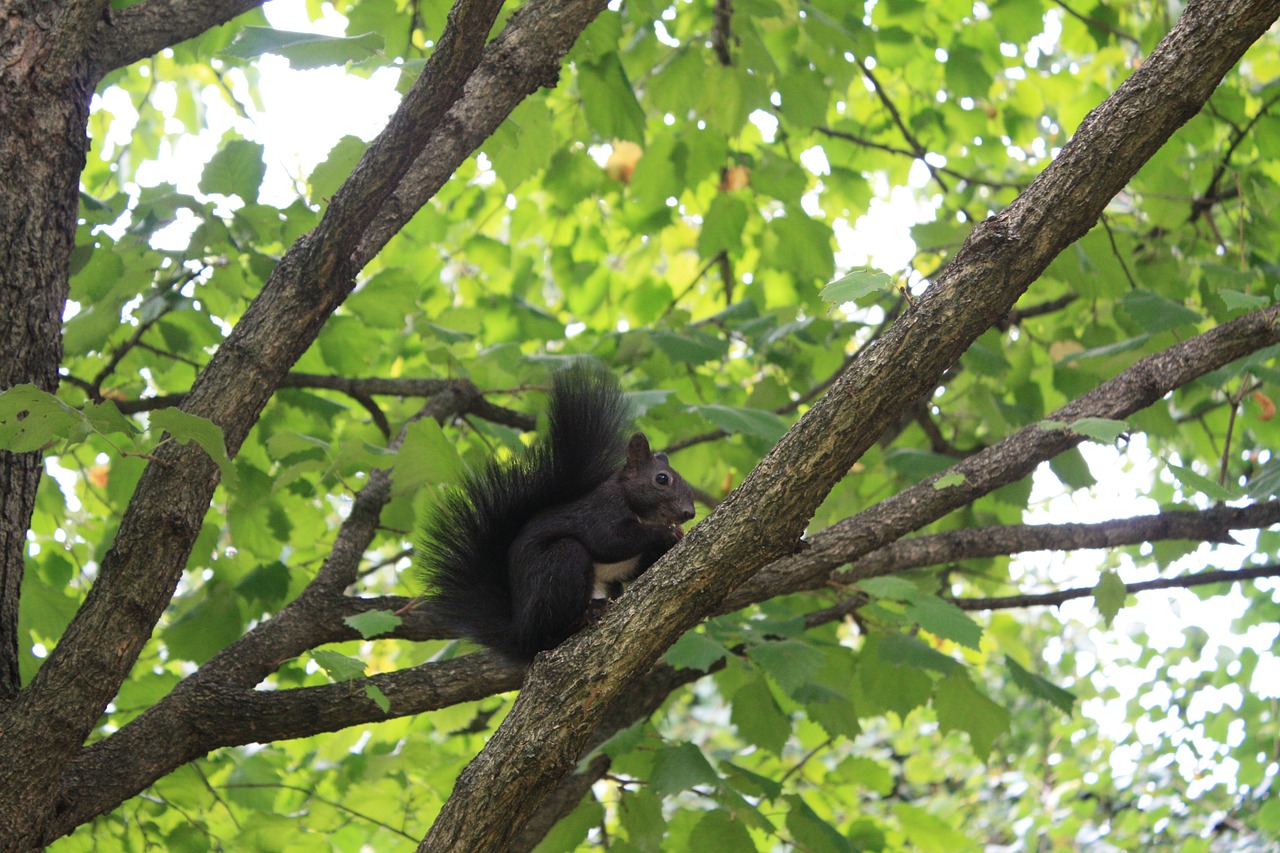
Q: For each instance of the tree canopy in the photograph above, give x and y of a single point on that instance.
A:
(961, 511)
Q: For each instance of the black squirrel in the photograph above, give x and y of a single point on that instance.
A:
(519, 555)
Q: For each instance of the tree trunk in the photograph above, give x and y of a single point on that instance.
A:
(43, 144)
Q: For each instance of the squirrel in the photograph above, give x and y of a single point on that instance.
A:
(527, 551)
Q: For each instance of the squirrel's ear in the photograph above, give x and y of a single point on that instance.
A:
(638, 449)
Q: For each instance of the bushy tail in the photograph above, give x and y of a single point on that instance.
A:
(462, 548)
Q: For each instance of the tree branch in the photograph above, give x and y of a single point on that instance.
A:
(1212, 525)
(145, 29)
(1095, 23)
(1182, 582)
(905, 152)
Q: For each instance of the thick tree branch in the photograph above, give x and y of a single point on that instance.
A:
(145, 29)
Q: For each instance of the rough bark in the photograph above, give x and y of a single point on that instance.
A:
(567, 689)
(44, 98)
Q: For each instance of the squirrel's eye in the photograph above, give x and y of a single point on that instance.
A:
(662, 479)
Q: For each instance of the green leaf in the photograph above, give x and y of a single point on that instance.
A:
(946, 481)
(1237, 301)
(857, 284)
(750, 783)
(1106, 350)
(184, 427)
(928, 832)
(1101, 430)
(811, 832)
(902, 650)
(1040, 688)
(943, 619)
(743, 421)
(1071, 468)
(722, 226)
(1194, 482)
(1265, 482)
(680, 768)
(894, 589)
(915, 463)
(1109, 595)
(206, 627)
(758, 718)
(695, 650)
(1268, 816)
(966, 71)
(379, 698)
(372, 623)
(303, 50)
(31, 419)
(837, 715)
(717, 830)
(887, 686)
(962, 707)
(106, 419)
(790, 663)
(692, 347)
(337, 666)
(519, 149)
(801, 246)
(236, 169)
(804, 95)
(329, 175)
(427, 456)
(1153, 312)
(608, 100)
(267, 584)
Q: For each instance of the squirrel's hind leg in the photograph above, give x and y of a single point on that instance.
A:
(551, 595)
